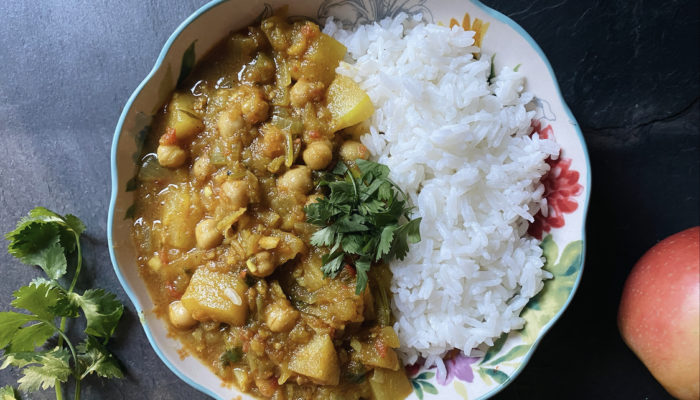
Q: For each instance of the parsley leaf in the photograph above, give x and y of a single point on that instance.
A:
(364, 219)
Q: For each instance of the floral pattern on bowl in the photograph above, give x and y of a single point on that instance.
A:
(561, 226)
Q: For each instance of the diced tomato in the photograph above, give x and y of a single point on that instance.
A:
(314, 134)
(350, 269)
(380, 346)
(169, 137)
(174, 290)
(310, 30)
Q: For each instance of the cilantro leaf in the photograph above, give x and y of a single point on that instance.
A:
(50, 241)
(52, 366)
(30, 337)
(102, 311)
(351, 223)
(93, 357)
(38, 243)
(352, 243)
(407, 233)
(372, 170)
(332, 264)
(11, 322)
(20, 359)
(8, 393)
(231, 356)
(323, 237)
(363, 215)
(38, 299)
(387, 238)
(75, 224)
(361, 267)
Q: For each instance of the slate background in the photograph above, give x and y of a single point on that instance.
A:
(629, 69)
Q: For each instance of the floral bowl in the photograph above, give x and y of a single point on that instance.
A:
(567, 185)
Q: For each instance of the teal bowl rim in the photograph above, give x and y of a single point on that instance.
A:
(115, 190)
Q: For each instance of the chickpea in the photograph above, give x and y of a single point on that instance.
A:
(267, 387)
(202, 167)
(296, 180)
(171, 155)
(272, 141)
(280, 316)
(318, 155)
(207, 235)
(229, 122)
(262, 264)
(237, 192)
(304, 91)
(253, 105)
(352, 150)
(179, 316)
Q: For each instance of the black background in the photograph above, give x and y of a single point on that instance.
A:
(629, 70)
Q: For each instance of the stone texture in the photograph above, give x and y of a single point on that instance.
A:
(628, 69)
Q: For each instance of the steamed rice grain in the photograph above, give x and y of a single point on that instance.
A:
(461, 150)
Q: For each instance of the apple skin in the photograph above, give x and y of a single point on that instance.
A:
(659, 315)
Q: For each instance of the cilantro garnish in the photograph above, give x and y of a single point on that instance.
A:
(52, 242)
(365, 219)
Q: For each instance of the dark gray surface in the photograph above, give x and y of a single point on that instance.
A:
(628, 69)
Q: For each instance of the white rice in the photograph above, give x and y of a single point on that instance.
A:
(461, 150)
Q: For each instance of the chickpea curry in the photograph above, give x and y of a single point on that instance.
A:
(220, 225)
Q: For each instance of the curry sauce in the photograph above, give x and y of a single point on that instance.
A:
(220, 228)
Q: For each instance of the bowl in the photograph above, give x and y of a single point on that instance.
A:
(567, 185)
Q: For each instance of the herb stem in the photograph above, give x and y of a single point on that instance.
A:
(77, 389)
(59, 394)
(72, 351)
(62, 325)
(79, 264)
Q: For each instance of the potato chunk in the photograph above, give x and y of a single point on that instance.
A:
(348, 103)
(181, 117)
(185, 124)
(179, 216)
(387, 384)
(317, 360)
(216, 296)
(321, 59)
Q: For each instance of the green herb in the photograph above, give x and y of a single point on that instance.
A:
(492, 70)
(52, 242)
(231, 356)
(8, 393)
(365, 219)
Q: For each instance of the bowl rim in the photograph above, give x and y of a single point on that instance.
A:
(158, 64)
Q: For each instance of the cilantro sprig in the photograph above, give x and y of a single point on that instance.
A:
(365, 219)
(52, 242)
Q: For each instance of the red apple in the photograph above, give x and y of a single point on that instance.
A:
(659, 316)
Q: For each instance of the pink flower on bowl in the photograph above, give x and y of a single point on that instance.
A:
(560, 187)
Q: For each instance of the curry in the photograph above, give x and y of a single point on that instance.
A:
(220, 227)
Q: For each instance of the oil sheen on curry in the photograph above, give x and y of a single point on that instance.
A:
(220, 229)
